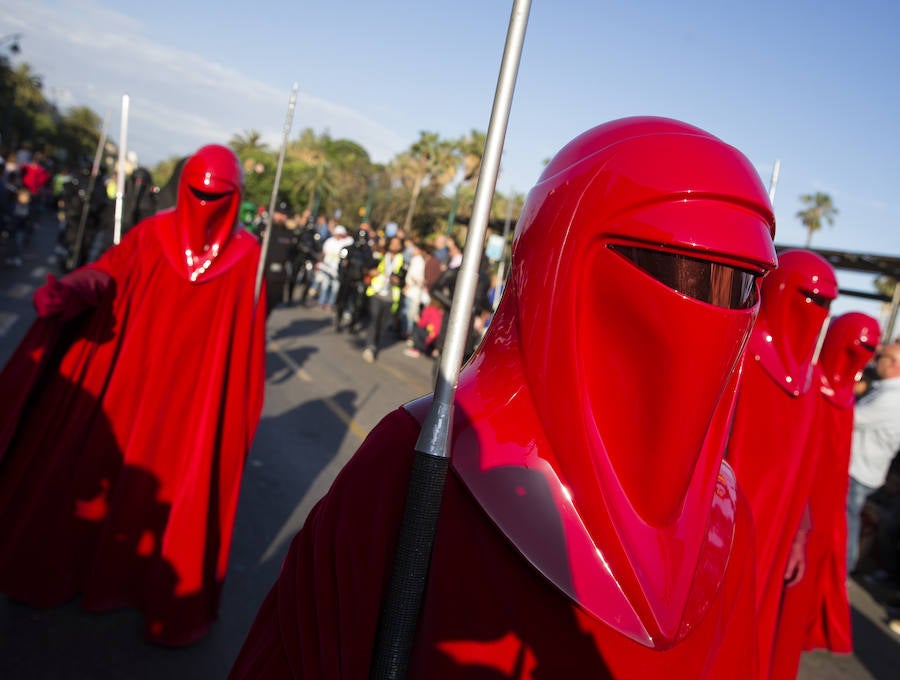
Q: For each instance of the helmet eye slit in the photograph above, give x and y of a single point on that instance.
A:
(712, 282)
(208, 195)
(818, 300)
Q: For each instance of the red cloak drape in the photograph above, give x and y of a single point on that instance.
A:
(774, 468)
(487, 613)
(830, 627)
(123, 434)
(815, 613)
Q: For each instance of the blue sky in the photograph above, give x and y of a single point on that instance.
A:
(812, 84)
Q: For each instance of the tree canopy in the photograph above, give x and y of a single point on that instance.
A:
(819, 208)
(431, 180)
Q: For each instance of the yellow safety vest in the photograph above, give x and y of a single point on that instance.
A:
(377, 282)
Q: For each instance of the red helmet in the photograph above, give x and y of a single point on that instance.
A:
(634, 287)
(206, 211)
(850, 342)
(795, 302)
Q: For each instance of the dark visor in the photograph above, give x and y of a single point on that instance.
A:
(712, 282)
(208, 195)
(818, 300)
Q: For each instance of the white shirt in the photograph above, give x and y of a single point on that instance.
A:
(876, 433)
(331, 253)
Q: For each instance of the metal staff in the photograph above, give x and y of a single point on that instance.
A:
(75, 256)
(774, 182)
(120, 176)
(400, 612)
(288, 121)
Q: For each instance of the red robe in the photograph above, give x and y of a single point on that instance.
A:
(487, 613)
(774, 468)
(123, 434)
(830, 627)
(815, 613)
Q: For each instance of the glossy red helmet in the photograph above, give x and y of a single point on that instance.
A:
(850, 342)
(207, 207)
(795, 302)
(633, 289)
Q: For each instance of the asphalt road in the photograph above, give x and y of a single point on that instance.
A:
(321, 400)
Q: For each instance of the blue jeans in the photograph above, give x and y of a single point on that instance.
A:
(856, 498)
(328, 288)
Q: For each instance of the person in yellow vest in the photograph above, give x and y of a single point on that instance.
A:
(384, 295)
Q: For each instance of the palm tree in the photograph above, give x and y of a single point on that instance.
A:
(471, 146)
(248, 143)
(317, 183)
(430, 158)
(819, 208)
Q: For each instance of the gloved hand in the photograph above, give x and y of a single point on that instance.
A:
(71, 295)
(796, 564)
(52, 298)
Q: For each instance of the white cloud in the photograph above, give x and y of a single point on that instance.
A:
(88, 55)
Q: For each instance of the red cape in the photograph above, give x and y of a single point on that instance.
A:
(815, 613)
(830, 627)
(125, 438)
(774, 468)
(487, 612)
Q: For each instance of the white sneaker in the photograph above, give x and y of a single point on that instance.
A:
(368, 355)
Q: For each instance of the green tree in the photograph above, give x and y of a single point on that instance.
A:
(430, 160)
(248, 143)
(78, 133)
(471, 147)
(819, 208)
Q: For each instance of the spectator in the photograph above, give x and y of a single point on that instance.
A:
(426, 330)
(328, 275)
(384, 295)
(876, 439)
(413, 288)
(21, 221)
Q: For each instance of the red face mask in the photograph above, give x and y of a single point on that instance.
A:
(633, 290)
(795, 302)
(206, 211)
(850, 343)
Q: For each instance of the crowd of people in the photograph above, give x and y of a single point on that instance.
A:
(82, 198)
(390, 285)
(653, 484)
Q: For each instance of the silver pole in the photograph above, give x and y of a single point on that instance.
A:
(400, 610)
(120, 176)
(774, 181)
(820, 341)
(288, 121)
(434, 438)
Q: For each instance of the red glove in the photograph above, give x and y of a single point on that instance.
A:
(52, 298)
(72, 294)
